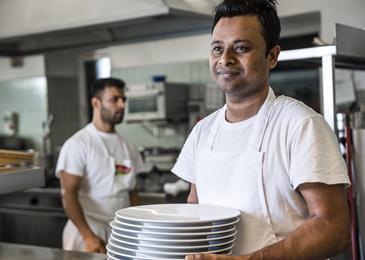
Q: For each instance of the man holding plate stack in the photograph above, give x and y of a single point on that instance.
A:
(273, 158)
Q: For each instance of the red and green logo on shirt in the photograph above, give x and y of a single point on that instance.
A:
(122, 169)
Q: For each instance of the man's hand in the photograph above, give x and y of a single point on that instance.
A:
(193, 195)
(95, 244)
(215, 257)
(71, 185)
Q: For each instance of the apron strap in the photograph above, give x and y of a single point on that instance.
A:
(263, 120)
(215, 126)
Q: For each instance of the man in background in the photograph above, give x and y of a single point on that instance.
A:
(97, 168)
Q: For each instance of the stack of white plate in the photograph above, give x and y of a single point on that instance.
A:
(171, 231)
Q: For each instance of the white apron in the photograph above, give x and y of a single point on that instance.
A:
(235, 179)
(100, 204)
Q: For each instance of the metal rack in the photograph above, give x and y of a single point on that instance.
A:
(348, 52)
(17, 179)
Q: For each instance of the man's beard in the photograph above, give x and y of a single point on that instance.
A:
(108, 117)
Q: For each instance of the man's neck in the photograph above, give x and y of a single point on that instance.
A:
(246, 108)
(103, 126)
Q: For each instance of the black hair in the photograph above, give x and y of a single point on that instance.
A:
(101, 84)
(264, 10)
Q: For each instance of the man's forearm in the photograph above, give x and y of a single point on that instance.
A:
(75, 213)
(316, 239)
(134, 198)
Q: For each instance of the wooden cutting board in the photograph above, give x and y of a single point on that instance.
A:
(14, 157)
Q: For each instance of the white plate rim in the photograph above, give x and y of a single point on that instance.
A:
(110, 256)
(179, 240)
(113, 225)
(235, 221)
(168, 253)
(181, 221)
(172, 247)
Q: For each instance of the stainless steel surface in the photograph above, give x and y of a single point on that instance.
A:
(30, 217)
(24, 252)
(307, 53)
(17, 179)
(357, 120)
(327, 54)
(148, 198)
(328, 94)
(332, 56)
(350, 41)
(142, 21)
(358, 133)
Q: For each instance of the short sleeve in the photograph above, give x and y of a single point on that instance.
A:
(315, 154)
(72, 159)
(185, 164)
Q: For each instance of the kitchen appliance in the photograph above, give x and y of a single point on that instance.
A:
(161, 101)
(29, 217)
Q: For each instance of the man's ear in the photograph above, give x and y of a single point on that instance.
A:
(95, 102)
(273, 56)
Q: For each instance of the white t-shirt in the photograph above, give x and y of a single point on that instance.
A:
(299, 147)
(107, 165)
(116, 149)
(231, 138)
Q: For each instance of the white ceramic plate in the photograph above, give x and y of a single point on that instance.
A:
(112, 256)
(221, 242)
(171, 239)
(174, 243)
(163, 251)
(178, 213)
(156, 226)
(158, 233)
(135, 252)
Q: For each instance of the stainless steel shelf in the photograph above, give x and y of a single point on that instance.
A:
(350, 52)
(18, 179)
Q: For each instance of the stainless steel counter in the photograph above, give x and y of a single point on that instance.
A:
(17, 179)
(28, 217)
(25, 252)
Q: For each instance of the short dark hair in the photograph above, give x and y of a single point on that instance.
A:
(264, 10)
(101, 84)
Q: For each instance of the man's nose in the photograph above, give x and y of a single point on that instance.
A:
(227, 57)
(121, 102)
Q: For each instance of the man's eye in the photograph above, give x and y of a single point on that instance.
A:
(216, 50)
(240, 49)
(114, 99)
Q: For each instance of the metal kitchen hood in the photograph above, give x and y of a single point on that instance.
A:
(46, 26)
